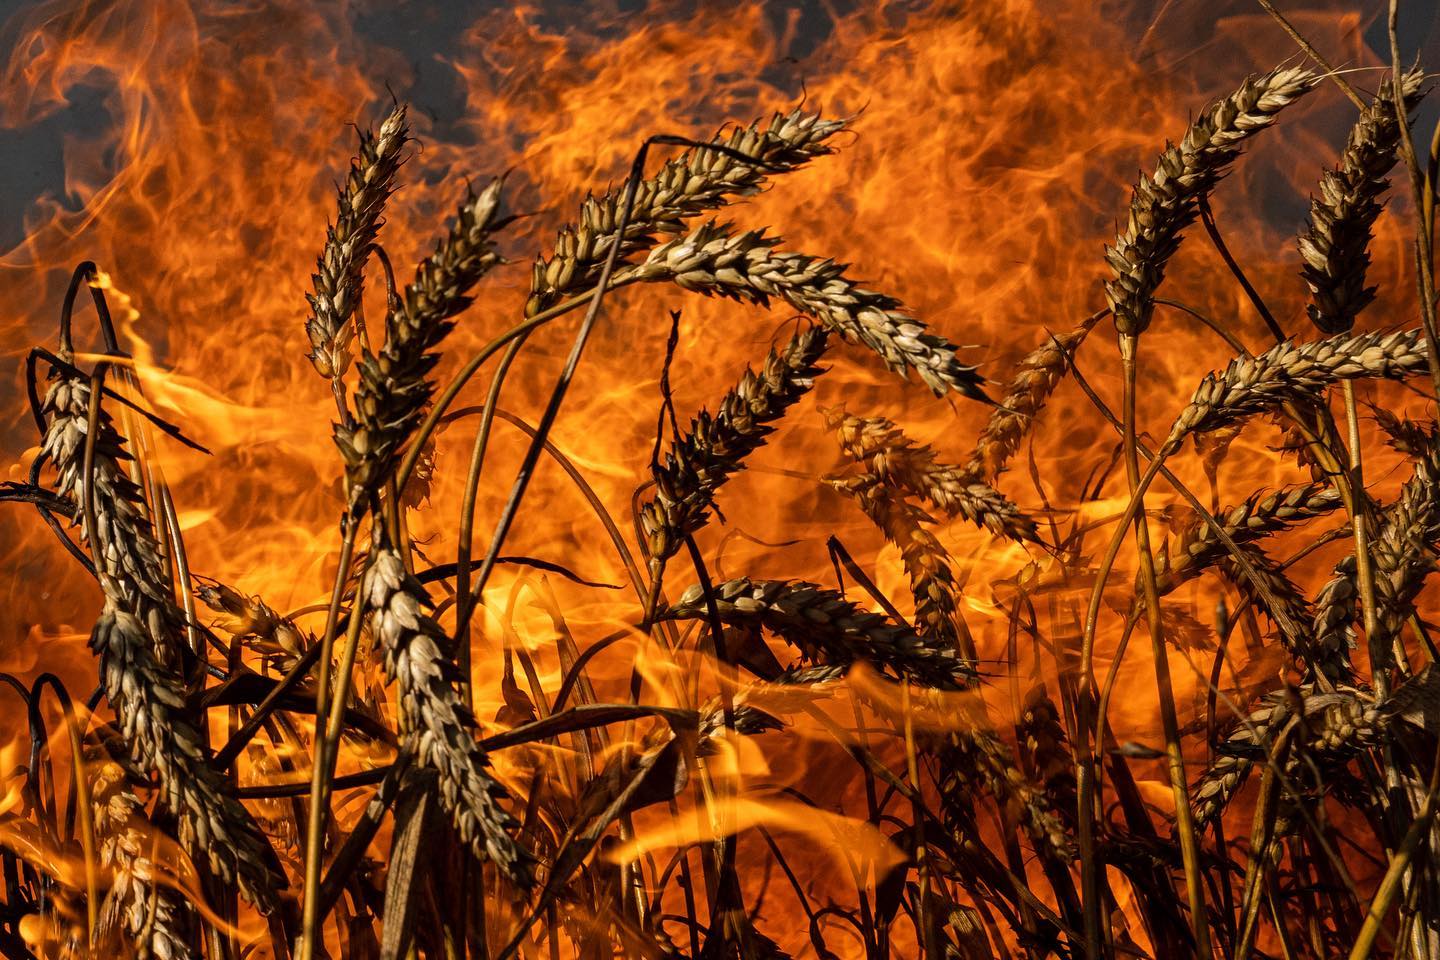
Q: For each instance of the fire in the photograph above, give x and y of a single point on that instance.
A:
(990, 156)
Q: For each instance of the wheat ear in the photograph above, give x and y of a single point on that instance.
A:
(699, 461)
(1165, 202)
(137, 639)
(349, 242)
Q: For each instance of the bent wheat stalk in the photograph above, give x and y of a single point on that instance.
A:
(349, 242)
(137, 638)
(699, 462)
(899, 461)
(716, 261)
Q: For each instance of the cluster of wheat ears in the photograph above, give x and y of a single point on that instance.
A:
(1030, 841)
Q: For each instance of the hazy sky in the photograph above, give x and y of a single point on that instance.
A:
(423, 32)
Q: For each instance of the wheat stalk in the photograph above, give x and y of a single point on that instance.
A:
(394, 387)
(137, 640)
(824, 626)
(440, 728)
(900, 462)
(698, 180)
(1165, 202)
(715, 261)
(716, 445)
(1294, 372)
(1335, 245)
(1037, 376)
(349, 242)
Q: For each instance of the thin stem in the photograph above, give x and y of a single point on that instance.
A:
(1424, 232)
(464, 605)
(1255, 300)
(1364, 567)
(1314, 54)
(324, 650)
(327, 748)
(1398, 869)
(1184, 820)
(567, 374)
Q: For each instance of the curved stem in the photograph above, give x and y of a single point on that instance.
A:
(464, 604)
(1184, 819)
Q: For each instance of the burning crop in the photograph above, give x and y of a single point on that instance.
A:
(1051, 580)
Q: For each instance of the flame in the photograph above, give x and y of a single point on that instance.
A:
(993, 150)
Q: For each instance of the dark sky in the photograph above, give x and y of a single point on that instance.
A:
(31, 162)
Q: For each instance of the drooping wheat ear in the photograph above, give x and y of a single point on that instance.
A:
(394, 388)
(1236, 757)
(254, 623)
(439, 726)
(349, 242)
(154, 919)
(1289, 371)
(1196, 547)
(694, 182)
(1403, 551)
(1037, 376)
(932, 582)
(1411, 437)
(824, 627)
(1335, 612)
(700, 461)
(1335, 245)
(716, 261)
(137, 637)
(976, 758)
(1165, 202)
(1041, 736)
(1281, 599)
(1333, 726)
(902, 463)
(746, 719)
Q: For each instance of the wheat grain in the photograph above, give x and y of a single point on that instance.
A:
(393, 386)
(440, 728)
(252, 621)
(1410, 437)
(1291, 372)
(137, 638)
(824, 626)
(932, 582)
(1197, 547)
(900, 462)
(1403, 550)
(975, 755)
(1332, 727)
(154, 919)
(1039, 373)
